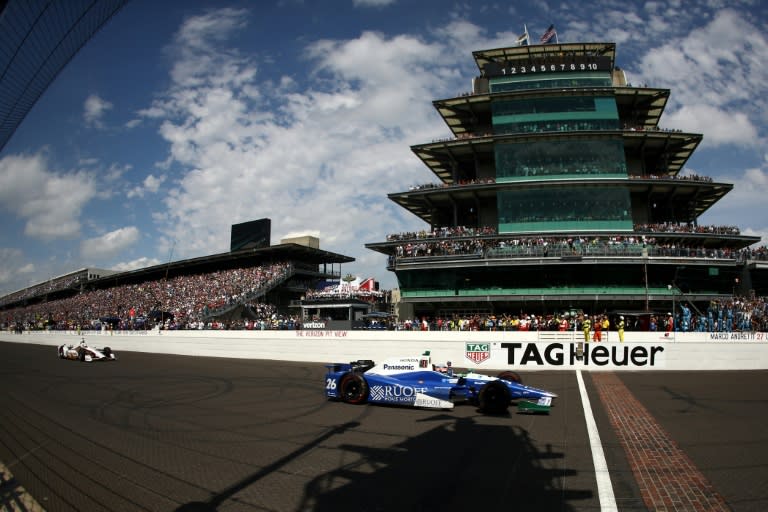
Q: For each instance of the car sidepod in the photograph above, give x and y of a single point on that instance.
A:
(416, 389)
(350, 385)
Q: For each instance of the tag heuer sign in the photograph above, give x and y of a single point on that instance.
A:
(478, 352)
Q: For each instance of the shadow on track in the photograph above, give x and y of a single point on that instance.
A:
(212, 504)
(459, 464)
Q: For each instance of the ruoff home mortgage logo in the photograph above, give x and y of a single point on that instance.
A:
(478, 352)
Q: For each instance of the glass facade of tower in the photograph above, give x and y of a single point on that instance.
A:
(566, 114)
(550, 81)
(560, 159)
(564, 209)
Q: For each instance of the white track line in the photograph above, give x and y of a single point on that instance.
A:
(604, 487)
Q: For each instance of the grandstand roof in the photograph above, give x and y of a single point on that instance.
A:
(700, 195)
(673, 147)
(461, 113)
(37, 39)
(272, 254)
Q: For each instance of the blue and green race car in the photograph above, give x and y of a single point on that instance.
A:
(416, 382)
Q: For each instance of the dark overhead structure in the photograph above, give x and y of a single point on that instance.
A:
(37, 39)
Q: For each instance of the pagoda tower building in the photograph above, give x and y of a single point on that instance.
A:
(557, 190)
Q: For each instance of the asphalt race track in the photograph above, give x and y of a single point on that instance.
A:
(175, 433)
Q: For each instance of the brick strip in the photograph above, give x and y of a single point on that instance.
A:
(667, 478)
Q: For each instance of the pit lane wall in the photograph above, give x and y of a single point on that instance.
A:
(523, 351)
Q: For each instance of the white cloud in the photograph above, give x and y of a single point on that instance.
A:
(744, 205)
(719, 125)
(110, 244)
(717, 77)
(16, 271)
(94, 109)
(10, 261)
(321, 163)
(195, 45)
(51, 203)
(138, 263)
(150, 185)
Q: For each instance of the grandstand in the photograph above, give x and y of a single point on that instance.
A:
(259, 287)
(56, 287)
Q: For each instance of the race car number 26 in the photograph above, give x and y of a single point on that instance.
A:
(330, 383)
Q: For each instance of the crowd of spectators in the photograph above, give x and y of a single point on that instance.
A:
(556, 247)
(460, 183)
(542, 127)
(682, 177)
(543, 172)
(52, 285)
(755, 253)
(340, 292)
(739, 314)
(443, 232)
(671, 227)
(465, 231)
(178, 302)
(463, 240)
(736, 314)
(186, 302)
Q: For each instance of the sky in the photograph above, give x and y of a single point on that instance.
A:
(181, 118)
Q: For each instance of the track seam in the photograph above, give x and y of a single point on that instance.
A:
(668, 479)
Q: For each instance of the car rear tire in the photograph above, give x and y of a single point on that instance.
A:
(494, 398)
(353, 388)
(107, 351)
(510, 376)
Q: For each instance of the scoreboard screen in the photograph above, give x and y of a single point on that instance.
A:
(255, 234)
(549, 64)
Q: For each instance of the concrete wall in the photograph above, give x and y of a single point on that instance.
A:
(524, 351)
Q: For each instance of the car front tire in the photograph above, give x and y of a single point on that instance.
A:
(494, 398)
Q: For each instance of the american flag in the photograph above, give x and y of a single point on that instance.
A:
(548, 35)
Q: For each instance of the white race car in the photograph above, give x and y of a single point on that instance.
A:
(86, 353)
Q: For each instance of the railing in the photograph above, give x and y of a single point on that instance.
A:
(546, 291)
(251, 295)
(540, 251)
